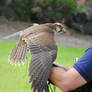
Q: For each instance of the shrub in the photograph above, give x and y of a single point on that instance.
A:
(43, 10)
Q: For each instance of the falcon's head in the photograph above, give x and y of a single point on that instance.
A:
(59, 28)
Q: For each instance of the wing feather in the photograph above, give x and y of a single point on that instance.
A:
(43, 54)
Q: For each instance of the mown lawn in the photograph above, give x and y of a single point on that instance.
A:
(15, 78)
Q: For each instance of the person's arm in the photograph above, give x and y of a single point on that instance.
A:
(62, 66)
(66, 80)
(76, 76)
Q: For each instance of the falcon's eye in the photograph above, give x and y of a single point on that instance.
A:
(62, 27)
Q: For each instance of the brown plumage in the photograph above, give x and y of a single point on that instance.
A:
(39, 40)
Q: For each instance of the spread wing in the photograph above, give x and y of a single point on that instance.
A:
(43, 53)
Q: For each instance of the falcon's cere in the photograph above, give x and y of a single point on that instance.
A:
(39, 40)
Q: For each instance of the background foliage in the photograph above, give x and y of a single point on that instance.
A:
(42, 11)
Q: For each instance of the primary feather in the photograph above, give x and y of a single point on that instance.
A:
(39, 40)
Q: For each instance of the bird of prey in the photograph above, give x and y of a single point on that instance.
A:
(39, 40)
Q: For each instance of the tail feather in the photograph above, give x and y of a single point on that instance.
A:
(18, 53)
(13, 52)
(19, 56)
(24, 53)
(15, 56)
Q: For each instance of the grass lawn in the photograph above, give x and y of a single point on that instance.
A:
(15, 78)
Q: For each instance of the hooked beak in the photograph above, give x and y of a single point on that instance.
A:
(63, 30)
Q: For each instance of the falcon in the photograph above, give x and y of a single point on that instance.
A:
(39, 40)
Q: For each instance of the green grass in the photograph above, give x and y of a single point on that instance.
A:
(15, 78)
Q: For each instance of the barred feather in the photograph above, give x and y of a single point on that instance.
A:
(39, 71)
(41, 80)
(18, 53)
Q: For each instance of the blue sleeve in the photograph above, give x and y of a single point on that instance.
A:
(84, 65)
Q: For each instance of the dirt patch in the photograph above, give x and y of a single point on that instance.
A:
(76, 40)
